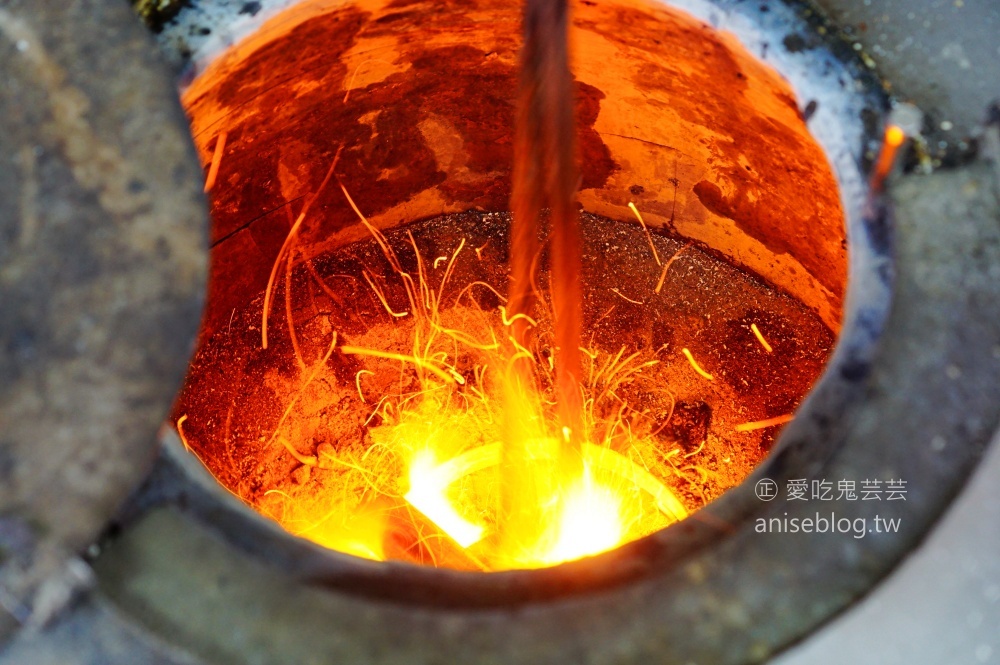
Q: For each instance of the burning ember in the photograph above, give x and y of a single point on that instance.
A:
(486, 394)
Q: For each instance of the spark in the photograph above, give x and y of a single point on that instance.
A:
(378, 406)
(894, 136)
(379, 238)
(289, 264)
(381, 297)
(761, 424)
(308, 460)
(447, 273)
(439, 260)
(292, 233)
(663, 275)
(625, 297)
(419, 362)
(485, 285)
(460, 336)
(760, 338)
(213, 169)
(180, 432)
(649, 236)
(605, 315)
(479, 250)
(507, 322)
(357, 382)
(696, 450)
(350, 85)
(695, 364)
(324, 286)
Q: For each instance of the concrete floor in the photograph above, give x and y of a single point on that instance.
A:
(941, 606)
(943, 603)
(943, 55)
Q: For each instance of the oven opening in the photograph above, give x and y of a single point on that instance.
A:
(378, 375)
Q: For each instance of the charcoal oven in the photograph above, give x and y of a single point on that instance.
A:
(751, 133)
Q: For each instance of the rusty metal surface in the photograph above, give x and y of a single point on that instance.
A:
(102, 268)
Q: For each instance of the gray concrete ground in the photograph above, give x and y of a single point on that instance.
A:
(942, 54)
(941, 606)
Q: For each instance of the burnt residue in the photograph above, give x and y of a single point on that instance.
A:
(688, 425)
(797, 42)
(811, 107)
(877, 221)
(596, 164)
(855, 370)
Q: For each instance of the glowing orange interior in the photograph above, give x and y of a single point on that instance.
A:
(340, 121)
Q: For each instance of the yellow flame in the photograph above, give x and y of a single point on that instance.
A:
(520, 504)
(590, 522)
(429, 483)
(894, 136)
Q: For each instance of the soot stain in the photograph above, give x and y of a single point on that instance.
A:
(688, 424)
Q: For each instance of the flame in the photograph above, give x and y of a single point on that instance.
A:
(468, 468)
(892, 141)
(360, 535)
(590, 522)
(429, 483)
